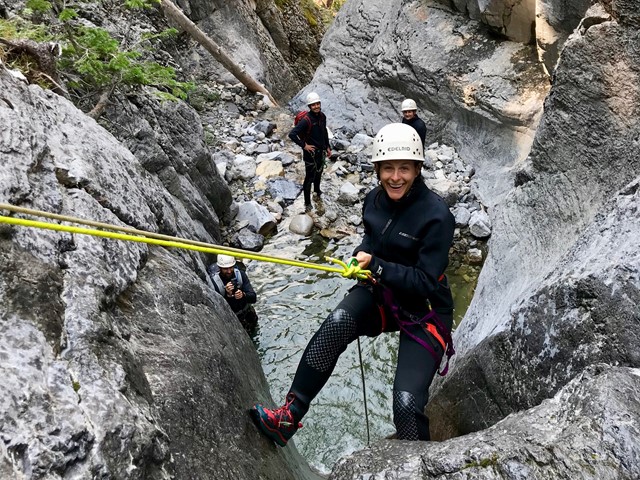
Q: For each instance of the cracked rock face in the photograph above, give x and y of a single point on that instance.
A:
(588, 430)
(272, 40)
(118, 360)
(560, 288)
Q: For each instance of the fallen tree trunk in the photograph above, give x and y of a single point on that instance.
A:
(175, 14)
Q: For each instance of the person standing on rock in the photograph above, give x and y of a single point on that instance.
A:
(310, 133)
(233, 284)
(408, 230)
(410, 117)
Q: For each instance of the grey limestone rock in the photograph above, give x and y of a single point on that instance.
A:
(259, 218)
(256, 34)
(119, 360)
(559, 289)
(588, 430)
(301, 224)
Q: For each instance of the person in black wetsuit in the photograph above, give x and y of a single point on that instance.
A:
(312, 136)
(408, 233)
(410, 117)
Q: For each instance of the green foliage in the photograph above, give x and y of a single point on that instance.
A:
(140, 3)
(40, 6)
(337, 5)
(67, 14)
(210, 138)
(18, 28)
(76, 386)
(93, 59)
(101, 61)
(483, 463)
(310, 11)
(315, 12)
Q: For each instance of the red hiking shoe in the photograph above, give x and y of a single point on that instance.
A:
(279, 424)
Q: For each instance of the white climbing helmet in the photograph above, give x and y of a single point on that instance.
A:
(409, 104)
(313, 97)
(226, 261)
(397, 141)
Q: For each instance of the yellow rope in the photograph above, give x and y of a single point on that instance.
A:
(141, 236)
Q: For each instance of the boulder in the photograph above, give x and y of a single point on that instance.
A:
(349, 194)
(301, 224)
(588, 430)
(283, 188)
(480, 224)
(243, 168)
(259, 218)
(270, 169)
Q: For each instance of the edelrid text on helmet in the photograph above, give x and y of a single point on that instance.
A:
(226, 261)
(313, 97)
(408, 104)
(397, 141)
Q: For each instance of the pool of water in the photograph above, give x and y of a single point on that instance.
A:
(292, 303)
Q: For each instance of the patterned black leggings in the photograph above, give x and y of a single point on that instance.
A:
(355, 316)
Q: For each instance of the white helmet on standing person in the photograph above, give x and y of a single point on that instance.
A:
(225, 261)
(397, 141)
(408, 104)
(313, 97)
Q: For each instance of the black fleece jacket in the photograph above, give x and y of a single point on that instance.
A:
(317, 135)
(419, 126)
(410, 240)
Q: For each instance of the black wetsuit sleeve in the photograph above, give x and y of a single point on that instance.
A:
(326, 135)
(365, 244)
(249, 293)
(299, 132)
(421, 128)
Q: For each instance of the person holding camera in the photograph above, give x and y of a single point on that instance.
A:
(233, 284)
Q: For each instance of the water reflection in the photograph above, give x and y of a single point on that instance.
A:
(292, 303)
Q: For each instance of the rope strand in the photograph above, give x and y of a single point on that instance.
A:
(142, 236)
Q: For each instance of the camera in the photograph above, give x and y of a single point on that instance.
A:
(234, 282)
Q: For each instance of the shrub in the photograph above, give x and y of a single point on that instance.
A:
(92, 60)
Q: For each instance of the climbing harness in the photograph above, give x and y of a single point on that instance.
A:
(430, 322)
(142, 236)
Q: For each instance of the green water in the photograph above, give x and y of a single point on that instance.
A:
(292, 303)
